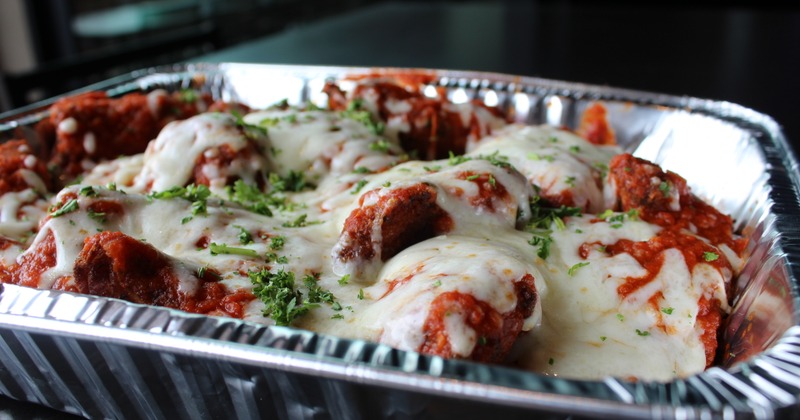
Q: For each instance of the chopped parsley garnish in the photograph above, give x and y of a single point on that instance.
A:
(359, 185)
(492, 181)
(387, 184)
(457, 160)
(216, 249)
(68, 207)
(360, 295)
(344, 279)
(641, 333)
(379, 146)
(277, 242)
(574, 149)
(197, 194)
(574, 269)
(337, 316)
(664, 188)
(282, 302)
(354, 112)
(667, 311)
(99, 217)
(88, 191)
(188, 96)
(543, 241)
(621, 317)
(570, 181)
(111, 186)
(295, 181)
(496, 159)
(244, 236)
(551, 361)
(362, 170)
(541, 219)
(710, 256)
(300, 221)
(603, 168)
(603, 338)
(317, 294)
(605, 214)
(434, 168)
(537, 157)
(473, 177)
(437, 283)
(251, 198)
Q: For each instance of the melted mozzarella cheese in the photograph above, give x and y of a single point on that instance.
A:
(581, 327)
(555, 160)
(319, 143)
(590, 331)
(171, 158)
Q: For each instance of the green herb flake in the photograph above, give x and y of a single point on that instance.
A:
(664, 188)
(575, 149)
(337, 316)
(710, 256)
(538, 157)
(667, 311)
(216, 249)
(300, 221)
(570, 181)
(551, 361)
(605, 214)
(473, 177)
(379, 146)
(282, 302)
(362, 170)
(641, 333)
(482, 340)
(245, 237)
(359, 186)
(277, 242)
(457, 160)
(99, 217)
(574, 269)
(88, 191)
(603, 338)
(360, 295)
(68, 207)
(621, 317)
(344, 279)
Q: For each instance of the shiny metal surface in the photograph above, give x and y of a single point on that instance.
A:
(100, 357)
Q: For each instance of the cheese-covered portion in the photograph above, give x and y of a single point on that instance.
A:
(320, 143)
(210, 149)
(528, 245)
(567, 169)
(617, 310)
(414, 206)
(456, 296)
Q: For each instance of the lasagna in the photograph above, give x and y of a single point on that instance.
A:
(391, 215)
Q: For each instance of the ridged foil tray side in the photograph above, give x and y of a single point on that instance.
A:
(100, 357)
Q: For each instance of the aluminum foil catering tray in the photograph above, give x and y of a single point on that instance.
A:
(99, 357)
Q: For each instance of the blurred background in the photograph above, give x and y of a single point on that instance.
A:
(48, 47)
(746, 52)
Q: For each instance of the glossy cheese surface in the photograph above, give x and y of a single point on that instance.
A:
(472, 256)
